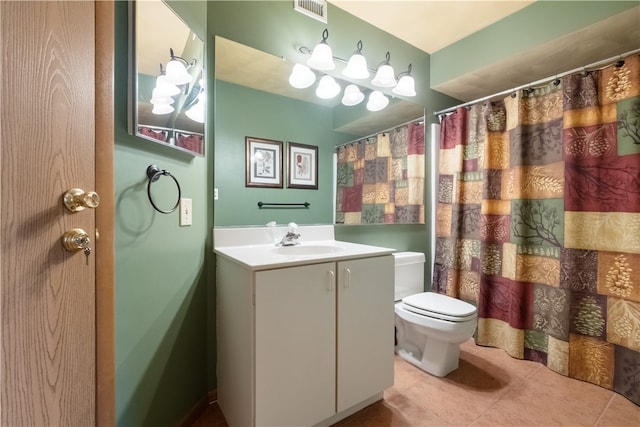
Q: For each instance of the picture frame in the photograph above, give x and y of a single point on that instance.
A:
(263, 162)
(302, 162)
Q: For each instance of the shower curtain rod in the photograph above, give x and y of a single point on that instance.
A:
(417, 119)
(541, 81)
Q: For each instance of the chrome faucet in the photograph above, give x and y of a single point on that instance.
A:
(291, 238)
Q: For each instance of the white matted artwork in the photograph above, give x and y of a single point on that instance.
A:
(303, 166)
(264, 162)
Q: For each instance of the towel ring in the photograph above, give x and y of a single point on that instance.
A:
(154, 173)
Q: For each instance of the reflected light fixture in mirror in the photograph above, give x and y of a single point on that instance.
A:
(174, 113)
(377, 101)
(327, 88)
(301, 77)
(352, 96)
(176, 70)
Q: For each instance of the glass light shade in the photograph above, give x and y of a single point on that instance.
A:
(301, 76)
(406, 86)
(385, 77)
(352, 96)
(196, 113)
(158, 98)
(162, 109)
(327, 88)
(177, 73)
(356, 67)
(321, 58)
(165, 87)
(377, 101)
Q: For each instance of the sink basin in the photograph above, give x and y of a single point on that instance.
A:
(307, 250)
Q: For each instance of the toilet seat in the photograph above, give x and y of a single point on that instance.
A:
(439, 306)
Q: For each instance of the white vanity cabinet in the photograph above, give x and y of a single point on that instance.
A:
(305, 344)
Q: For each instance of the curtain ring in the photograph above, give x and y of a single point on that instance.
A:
(154, 173)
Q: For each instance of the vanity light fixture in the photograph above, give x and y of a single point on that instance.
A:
(377, 101)
(352, 96)
(157, 97)
(327, 87)
(196, 112)
(177, 70)
(165, 87)
(160, 109)
(301, 76)
(385, 76)
(322, 56)
(406, 84)
(357, 65)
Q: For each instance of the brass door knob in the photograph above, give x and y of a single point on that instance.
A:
(77, 199)
(76, 240)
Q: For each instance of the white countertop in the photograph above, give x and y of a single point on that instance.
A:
(254, 247)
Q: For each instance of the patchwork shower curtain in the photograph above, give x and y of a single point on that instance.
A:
(380, 179)
(538, 223)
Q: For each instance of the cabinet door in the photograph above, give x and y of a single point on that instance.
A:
(295, 312)
(365, 329)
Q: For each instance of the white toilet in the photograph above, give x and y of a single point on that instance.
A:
(429, 327)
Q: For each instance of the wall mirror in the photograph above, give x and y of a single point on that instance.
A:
(254, 98)
(243, 65)
(166, 87)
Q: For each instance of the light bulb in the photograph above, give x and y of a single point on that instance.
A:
(177, 73)
(301, 76)
(384, 77)
(160, 109)
(322, 56)
(352, 96)
(327, 88)
(377, 101)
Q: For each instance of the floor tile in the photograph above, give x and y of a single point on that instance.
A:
(546, 398)
(620, 412)
(490, 388)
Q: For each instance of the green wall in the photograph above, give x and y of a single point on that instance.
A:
(160, 269)
(534, 25)
(242, 112)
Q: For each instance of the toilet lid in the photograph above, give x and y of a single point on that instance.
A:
(431, 303)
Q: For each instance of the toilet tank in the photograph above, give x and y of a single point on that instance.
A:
(409, 274)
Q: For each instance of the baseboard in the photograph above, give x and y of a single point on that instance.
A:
(198, 409)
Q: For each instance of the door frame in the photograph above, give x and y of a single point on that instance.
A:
(105, 215)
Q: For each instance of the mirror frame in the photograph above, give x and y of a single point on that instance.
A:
(133, 123)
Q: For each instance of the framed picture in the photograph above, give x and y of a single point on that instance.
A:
(264, 162)
(303, 166)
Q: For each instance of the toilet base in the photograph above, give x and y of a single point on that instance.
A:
(438, 358)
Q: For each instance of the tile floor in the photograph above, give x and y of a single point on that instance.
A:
(490, 388)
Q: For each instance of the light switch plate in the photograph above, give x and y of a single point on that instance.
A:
(185, 212)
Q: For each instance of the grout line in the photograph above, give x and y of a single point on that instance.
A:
(609, 403)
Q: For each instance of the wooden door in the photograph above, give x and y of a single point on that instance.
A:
(47, 294)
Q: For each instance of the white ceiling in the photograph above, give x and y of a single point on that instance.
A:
(430, 25)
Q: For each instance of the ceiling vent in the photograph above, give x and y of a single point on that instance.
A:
(316, 9)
